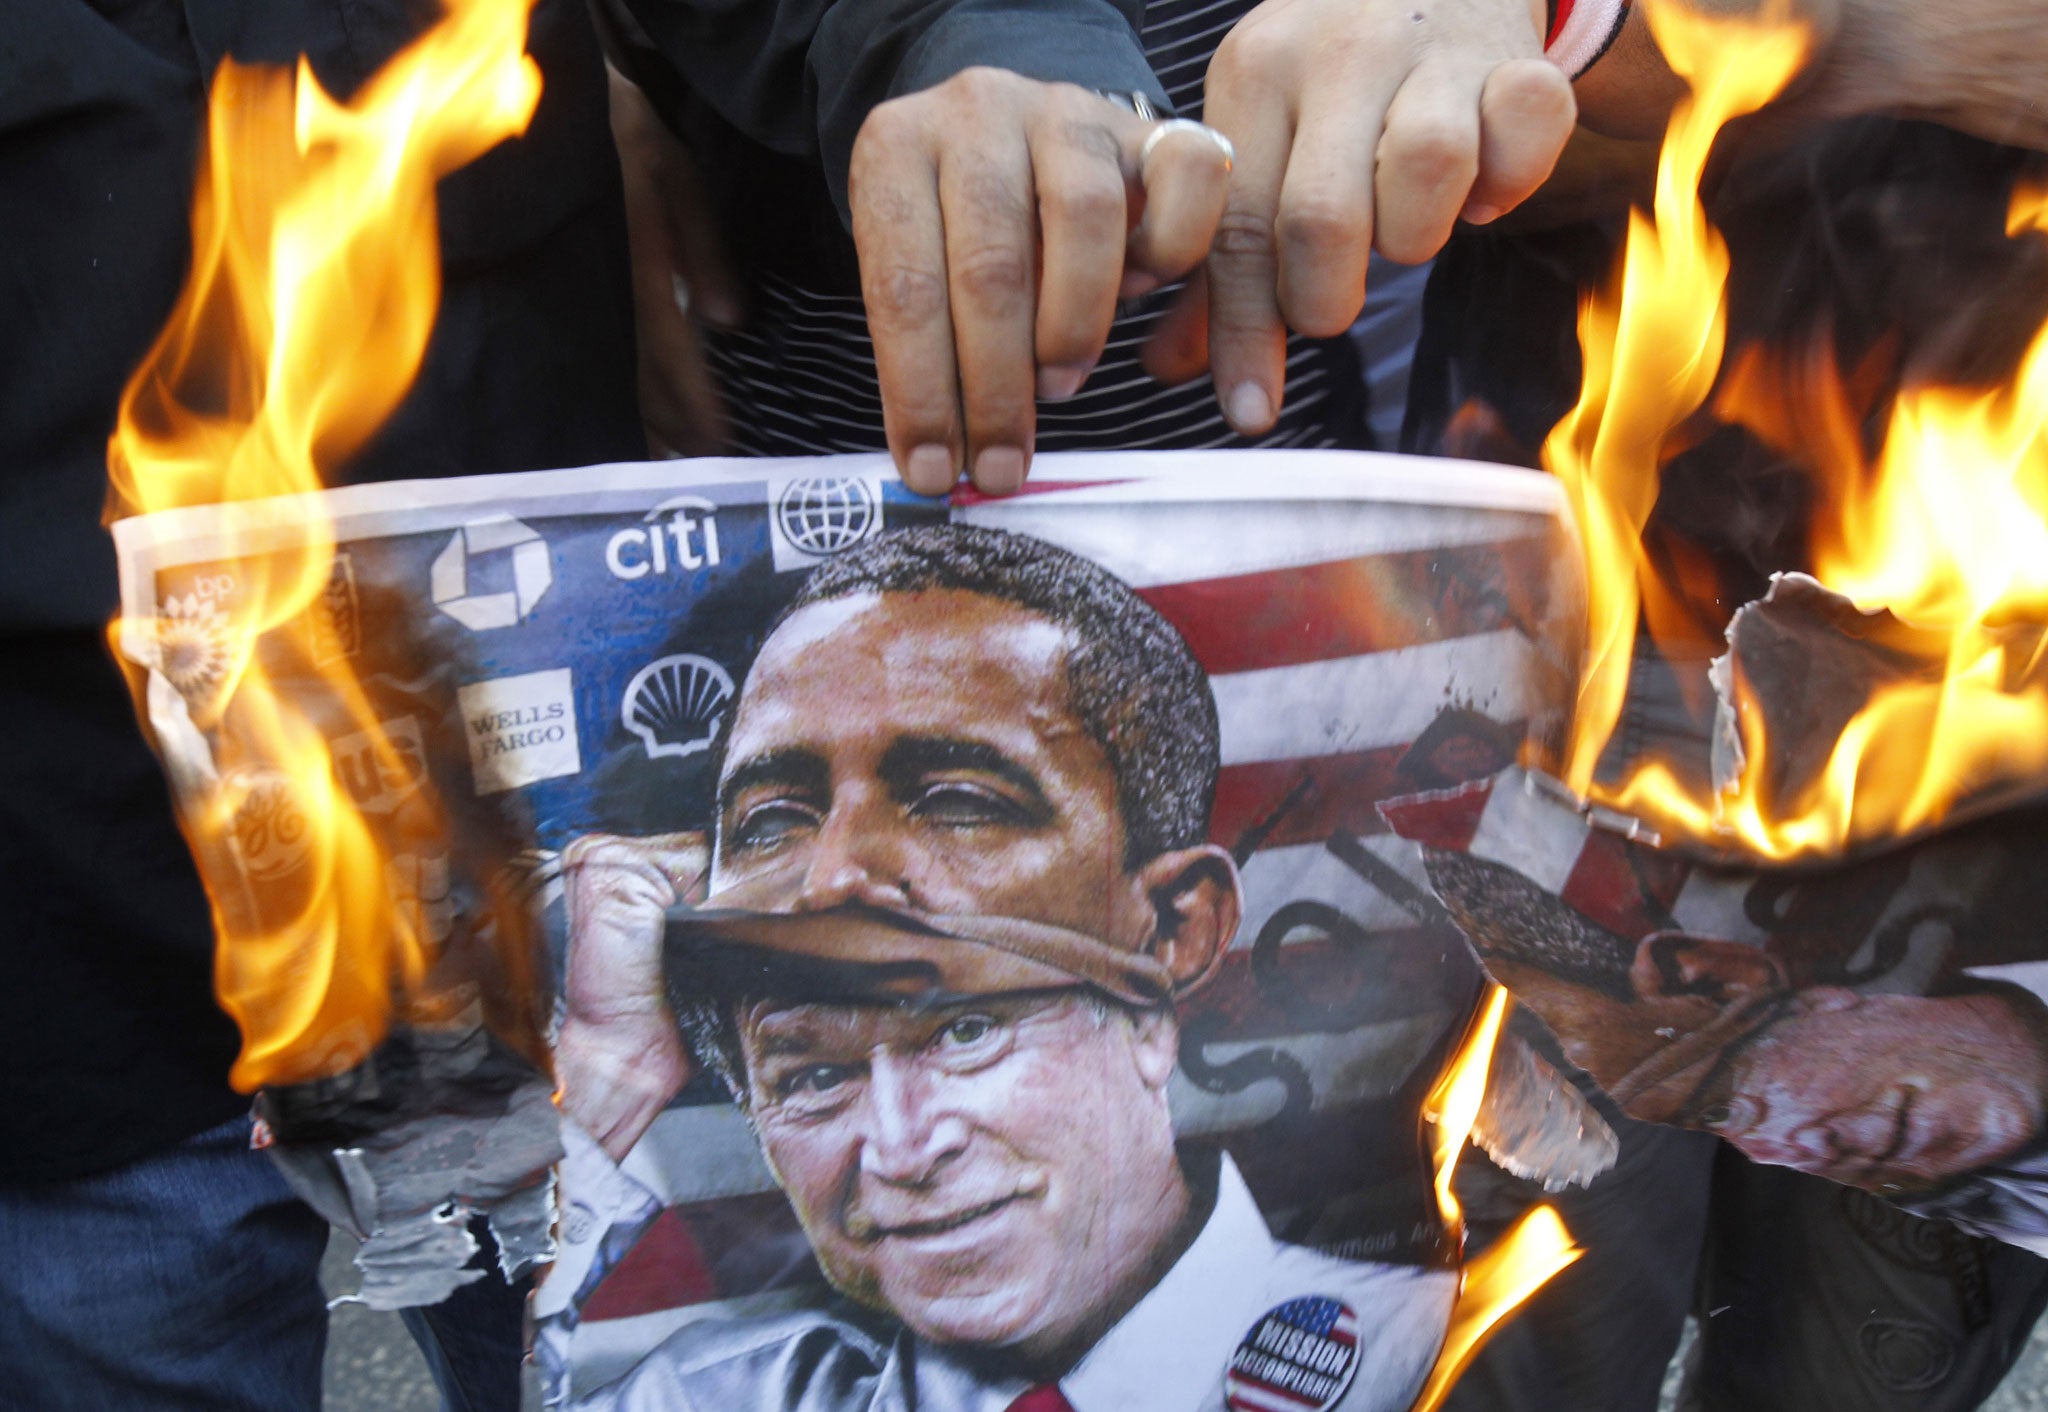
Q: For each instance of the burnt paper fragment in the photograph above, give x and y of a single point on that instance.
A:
(1880, 1023)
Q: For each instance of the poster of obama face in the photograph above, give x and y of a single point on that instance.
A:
(968, 960)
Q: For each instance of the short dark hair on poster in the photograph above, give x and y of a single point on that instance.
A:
(1136, 687)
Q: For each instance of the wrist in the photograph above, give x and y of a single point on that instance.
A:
(1582, 31)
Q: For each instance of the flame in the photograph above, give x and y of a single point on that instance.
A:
(1453, 1105)
(1507, 1273)
(1496, 1282)
(1943, 526)
(314, 287)
(1652, 349)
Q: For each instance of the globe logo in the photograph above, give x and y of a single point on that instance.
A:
(825, 515)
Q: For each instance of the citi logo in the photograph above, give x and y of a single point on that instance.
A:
(681, 535)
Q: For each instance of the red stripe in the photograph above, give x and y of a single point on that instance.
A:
(1557, 23)
(705, 1250)
(665, 1269)
(1299, 1399)
(965, 494)
(1277, 803)
(1626, 889)
(1447, 819)
(1351, 607)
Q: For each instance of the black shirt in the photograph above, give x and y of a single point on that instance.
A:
(108, 1028)
(770, 94)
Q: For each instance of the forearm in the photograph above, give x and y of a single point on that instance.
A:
(869, 51)
(1977, 65)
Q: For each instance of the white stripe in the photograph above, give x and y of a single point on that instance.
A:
(2028, 975)
(1382, 489)
(1524, 829)
(1587, 30)
(699, 1154)
(1155, 25)
(1380, 699)
(1716, 904)
(1252, 1399)
(1160, 543)
(1309, 872)
(601, 1350)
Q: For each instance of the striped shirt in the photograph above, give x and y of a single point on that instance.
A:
(799, 378)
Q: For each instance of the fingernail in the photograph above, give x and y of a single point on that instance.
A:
(930, 470)
(1136, 284)
(1062, 380)
(999, 470)
(1248, 408)
(1479, 214)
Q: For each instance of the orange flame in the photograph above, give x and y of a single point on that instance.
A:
(1943, 527)
(1508, 1272)
(1496, 1282)
(1652, 349)
(314, 287)
(1453, 1105)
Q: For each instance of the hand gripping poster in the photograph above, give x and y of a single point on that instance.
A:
(889, 952)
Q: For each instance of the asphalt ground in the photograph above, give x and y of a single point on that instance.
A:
(372, 1365)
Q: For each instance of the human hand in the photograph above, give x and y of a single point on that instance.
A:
(680, 276)
(1359, 124)
(618, 1058)
(999, 219)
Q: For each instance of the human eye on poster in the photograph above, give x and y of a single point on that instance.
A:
(894, 952)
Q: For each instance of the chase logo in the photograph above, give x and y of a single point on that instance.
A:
(486, 549)
(818, 517)
(675, 704)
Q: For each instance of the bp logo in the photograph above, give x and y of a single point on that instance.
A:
(675, 704)
(817, 517)
(491, 574)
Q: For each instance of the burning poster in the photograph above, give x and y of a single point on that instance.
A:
(1880, 1024)
(951, 927)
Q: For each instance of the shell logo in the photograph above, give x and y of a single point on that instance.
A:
(675, 705)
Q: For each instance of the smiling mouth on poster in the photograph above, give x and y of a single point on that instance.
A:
(962, 940)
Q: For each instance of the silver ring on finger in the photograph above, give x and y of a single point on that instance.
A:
(1172, 125)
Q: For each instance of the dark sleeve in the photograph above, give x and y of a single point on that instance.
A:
(800, 76)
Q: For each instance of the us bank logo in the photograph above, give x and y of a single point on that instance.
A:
(816, 518)
(491, 574)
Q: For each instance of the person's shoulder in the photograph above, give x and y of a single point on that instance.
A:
(1308, 1267)
(763, 1362)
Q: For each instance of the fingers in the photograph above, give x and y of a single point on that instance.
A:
(1077, 172)
(1428, 159)
(991, 281)
(1361, 125)
(1247, 335)
(1324, 224)
(899, 231)
(1526, 116)
(994, 220)
(1178, 349)
(1184, 170)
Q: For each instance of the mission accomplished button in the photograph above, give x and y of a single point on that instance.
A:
(1298, 1358)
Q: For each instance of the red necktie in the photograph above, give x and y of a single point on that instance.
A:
(1046, 1397)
